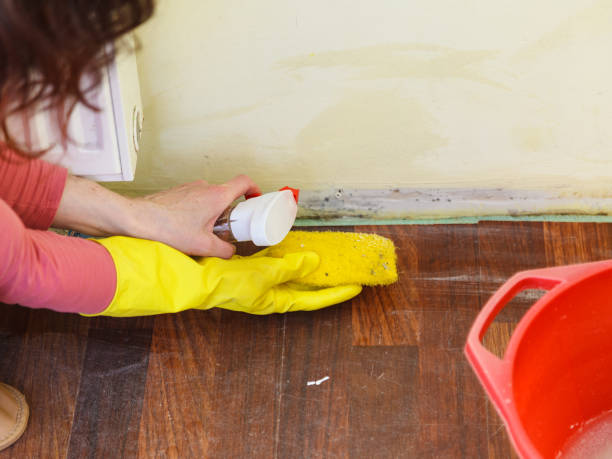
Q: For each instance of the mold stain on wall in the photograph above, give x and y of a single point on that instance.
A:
(591, 23)
(382, 129)
(400, 61)
(533, 138)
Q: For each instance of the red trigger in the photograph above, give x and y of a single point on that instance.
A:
(295, 191)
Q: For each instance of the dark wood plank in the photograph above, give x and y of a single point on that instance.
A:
(448, 284)
(47, 369)
(472, 412)
(178, 398)
(498, 336)
(107, 415)
(212, 385)
(437, 403)
(383, 405)
(13, 333)
(314, 418)
(569, 243)
(498, 443)
(13, 330)
(451, 406)
(438, 285)
(436, 301)
(390, 315)
(379, 318)
(505, 249)
(246, 388)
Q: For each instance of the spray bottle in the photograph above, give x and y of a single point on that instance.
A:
(263, 219)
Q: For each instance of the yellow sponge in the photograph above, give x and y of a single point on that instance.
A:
(346, 258)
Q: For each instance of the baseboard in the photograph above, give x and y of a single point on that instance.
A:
(442, 205)
(456, 205)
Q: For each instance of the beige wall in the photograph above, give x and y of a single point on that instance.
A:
(379, 94)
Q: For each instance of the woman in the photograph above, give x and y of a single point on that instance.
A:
(46, 47)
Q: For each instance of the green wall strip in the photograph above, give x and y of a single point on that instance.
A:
(454, 221)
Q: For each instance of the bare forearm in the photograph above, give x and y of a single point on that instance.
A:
(92, 209)
(182, 217)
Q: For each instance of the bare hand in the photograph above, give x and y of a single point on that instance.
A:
(183, 217)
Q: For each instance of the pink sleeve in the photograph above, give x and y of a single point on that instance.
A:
(31, 187)
(41, 269)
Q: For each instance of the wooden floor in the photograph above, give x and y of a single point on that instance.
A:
(222, 384)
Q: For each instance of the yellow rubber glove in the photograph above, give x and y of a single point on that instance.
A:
(153, 278)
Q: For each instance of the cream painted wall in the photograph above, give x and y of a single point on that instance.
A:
(377, 94)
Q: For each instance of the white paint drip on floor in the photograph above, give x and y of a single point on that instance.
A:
(317, 382)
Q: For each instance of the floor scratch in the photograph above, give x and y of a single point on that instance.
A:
(279, 391)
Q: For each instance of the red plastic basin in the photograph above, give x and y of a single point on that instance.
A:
(557, 370)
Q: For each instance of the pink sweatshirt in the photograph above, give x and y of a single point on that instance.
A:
(41, 269)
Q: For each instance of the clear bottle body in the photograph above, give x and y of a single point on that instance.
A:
(223, 226)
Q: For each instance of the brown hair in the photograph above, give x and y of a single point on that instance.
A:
(47, 46)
